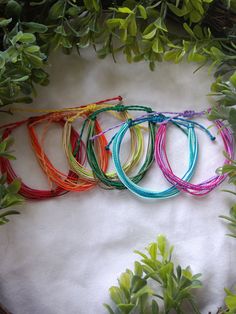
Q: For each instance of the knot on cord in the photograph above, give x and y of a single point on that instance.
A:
(120, 108)
(158, 118)
(189, 113)
(129, 122)
(149, 110)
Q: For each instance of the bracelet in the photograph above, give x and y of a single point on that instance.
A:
(134, 188)
(136, 144)
(56, 176)
(114, 181)
(206, 186)
(162, 120)
(25, 190)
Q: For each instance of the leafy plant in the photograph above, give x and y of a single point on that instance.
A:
(8, 192)
(142, 30)
(156, 285)
(230, 299)
(232, 221)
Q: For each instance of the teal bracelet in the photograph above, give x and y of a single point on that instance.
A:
(193, 155)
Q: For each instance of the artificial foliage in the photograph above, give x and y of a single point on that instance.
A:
(156, 285)
(141, 30)
(8, 193)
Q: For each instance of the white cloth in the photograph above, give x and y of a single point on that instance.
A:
(62, 255)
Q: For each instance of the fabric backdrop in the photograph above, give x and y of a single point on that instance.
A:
(62, 255)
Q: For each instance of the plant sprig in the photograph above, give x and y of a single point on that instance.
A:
(8, 192)
(173, 285)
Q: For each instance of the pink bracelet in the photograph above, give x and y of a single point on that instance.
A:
(204, 187)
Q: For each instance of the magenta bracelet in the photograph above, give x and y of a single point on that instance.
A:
(204, 187)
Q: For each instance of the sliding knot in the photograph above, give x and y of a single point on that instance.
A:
(92, 107)
(130, 122)
(93, 117)
(120, 108)
(189, 113)
(158, 118)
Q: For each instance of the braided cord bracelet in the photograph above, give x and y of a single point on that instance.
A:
(206, 186)
(56, 176)
(143, 192)
(135, 155)
(162, 120)
(92, 159)
(25, 190)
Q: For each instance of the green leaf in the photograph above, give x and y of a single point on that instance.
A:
(5, 22)
(138, 269)
(32, 49)
(126, 308)
(21, 79)
(187, 273)
(109, 308)
(152, 65)
(232, 116)
(137, 283)
(3, 179)
(27, 38)
(113, 23)
(132, 26)
(2, 61)
(34, 27)
(13, 8)
(155, 307)
(161, 241)
(96, 5)
(123, 37)
(198, 6)
(125, 10)
(117, 295)
(92, 5)
(195, 16)
(145, 290)
(141, 254)
(125, 281)
(56, 11)
(150, 35)
(14, 187)
(142, 11)
(216, 52)
(10, 200)
(60, 30)
(196, 57)
(14, 40)
(177, 11)
(188, 30)
(73, 11)
(152, 249)
(35, 61)
(165, 271)
(159, 23)
(198, 31)
(230, 301)
(233, 79)
(9, 213)
(157, 46)
(170, 55)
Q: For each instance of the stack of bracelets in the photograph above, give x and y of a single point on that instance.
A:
(88, 151)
